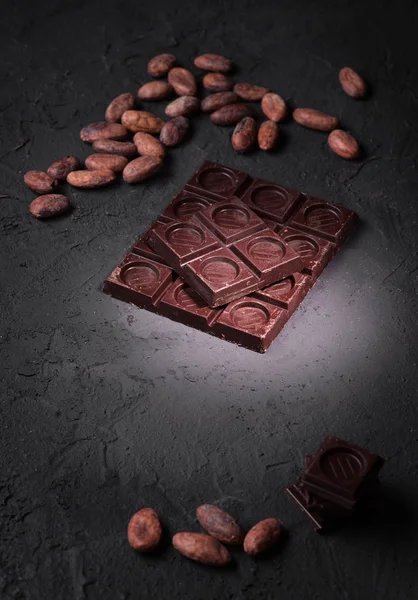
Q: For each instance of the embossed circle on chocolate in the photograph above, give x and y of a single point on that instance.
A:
(231, 217)
(249, 315)
(186, 207)
(322, 216)
(306, 247)
(139, 275)
(188, 298)
(267, 249)
(282, 287)
(269, 197)
(217, 180)
(341, 465)
(220, 270)
(184, 235)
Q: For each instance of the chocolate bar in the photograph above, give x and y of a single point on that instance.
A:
(145, 279)
(224, 252)
(324, 510)
(340, 472)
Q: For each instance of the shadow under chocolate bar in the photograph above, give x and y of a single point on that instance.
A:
(313, 228)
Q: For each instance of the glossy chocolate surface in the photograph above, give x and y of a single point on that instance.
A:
(225, 251)
(253, 321)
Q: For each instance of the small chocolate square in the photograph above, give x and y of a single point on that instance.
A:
(340, 471)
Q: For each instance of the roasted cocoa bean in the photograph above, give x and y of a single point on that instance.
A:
(174, 131)
(213, 62)
(160, 65)
(183, 82)
(217, 82)
(245, 135)
(315, 119)
(103, 130)
(90, 179)
(118, 106)
(40, 182)
(231, 114)
(219, 524)
(155, 90)
(140, 120)
(49, 205)
(352, 83)
(250, 92)
(147, 145)
(268, 135)
(202, 548)
(144, 530)
(127, 149)
(274, 107)
(183, 106)
(263, 536)
(106, 162)
(343, 144)
(141, 168)
(60, 168)
(215, 101)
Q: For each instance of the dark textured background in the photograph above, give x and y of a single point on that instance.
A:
(107, 408)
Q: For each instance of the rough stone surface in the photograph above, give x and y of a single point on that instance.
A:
(106, 408)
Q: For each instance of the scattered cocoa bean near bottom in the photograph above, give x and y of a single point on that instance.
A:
(145, 530)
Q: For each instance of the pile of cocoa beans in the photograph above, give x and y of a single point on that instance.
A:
(145, 533)
(125, 142)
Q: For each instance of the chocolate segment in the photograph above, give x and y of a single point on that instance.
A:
(341, 471)
(224, 252)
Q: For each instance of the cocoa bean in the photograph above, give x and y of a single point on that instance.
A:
(60, 168)
(40, 182)
(183, 82)
(215, 101)
(127, 149)
(213, 62)
(90, 179)
(106, 162)
(155, 90)
(183, 106)
(314, 119)
(250, 92)
(144, 530)
(147, 145)
(141, 168)
(274, 107)
(245, 135)
(268, 135)
(202, 548)
(49, 205)
(352, 83)
(217, 82)
(219, 524)
(103, 130)
(263, 536)
(231, 114)
(118, 106)
(160, 65)
(343, 144)
(140, 120)
(174, 131)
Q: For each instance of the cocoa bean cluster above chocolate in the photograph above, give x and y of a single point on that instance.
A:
(125, 142)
